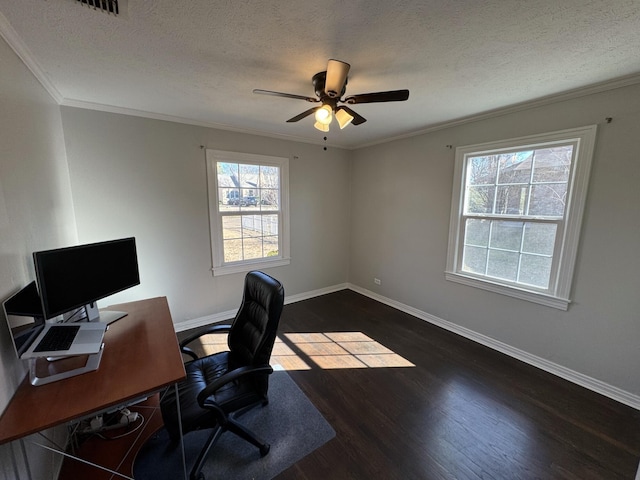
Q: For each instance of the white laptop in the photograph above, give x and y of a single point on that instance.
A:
(31, 335)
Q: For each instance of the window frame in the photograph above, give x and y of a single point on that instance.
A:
(557, 295)
(219, 266)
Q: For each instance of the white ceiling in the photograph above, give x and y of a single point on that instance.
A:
(198, 61)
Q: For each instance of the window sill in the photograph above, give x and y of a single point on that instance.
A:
(530, 296)
(249, 265)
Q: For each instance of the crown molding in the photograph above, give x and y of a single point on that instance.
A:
(600, 87)
(18, 46)
(183, 120)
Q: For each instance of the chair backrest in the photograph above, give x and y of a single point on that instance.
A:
(254, 328)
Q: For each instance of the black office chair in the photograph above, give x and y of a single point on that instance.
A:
(222, 386)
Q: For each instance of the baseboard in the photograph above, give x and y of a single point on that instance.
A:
(578, 378)
(202, 321)
(229, 314)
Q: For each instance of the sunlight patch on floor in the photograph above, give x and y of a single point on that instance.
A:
(336, 350)
(329, 350)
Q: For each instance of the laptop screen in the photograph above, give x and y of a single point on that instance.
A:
(23, 312)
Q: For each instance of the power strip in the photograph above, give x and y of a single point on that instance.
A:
(97, 425)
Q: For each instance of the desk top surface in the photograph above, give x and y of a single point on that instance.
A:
(141, 355)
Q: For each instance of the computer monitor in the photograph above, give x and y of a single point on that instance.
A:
(79, 276)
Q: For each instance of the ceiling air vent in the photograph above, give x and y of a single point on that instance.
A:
(108, 6)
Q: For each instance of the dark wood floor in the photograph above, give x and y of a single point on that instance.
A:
(463, 412)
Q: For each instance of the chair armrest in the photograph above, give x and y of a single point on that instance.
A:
(211, 329)
(230, 377)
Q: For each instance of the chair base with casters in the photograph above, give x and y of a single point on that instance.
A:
(232, 426)
(221, 387)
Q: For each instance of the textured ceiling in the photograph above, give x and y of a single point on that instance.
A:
(199, 60)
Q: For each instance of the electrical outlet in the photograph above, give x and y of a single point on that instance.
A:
(377, 281)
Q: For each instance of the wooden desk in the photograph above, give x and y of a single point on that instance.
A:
(141, 355)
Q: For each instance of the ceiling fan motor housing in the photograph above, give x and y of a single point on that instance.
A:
(319, 81)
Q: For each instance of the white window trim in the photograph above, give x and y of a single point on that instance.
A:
(559, 295)
(219, 267)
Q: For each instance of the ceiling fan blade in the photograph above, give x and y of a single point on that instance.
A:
(390, 96)
(337, 72)
(302, 115)
(357, 119)
(286, 95)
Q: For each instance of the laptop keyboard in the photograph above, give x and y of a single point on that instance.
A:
(59, 337)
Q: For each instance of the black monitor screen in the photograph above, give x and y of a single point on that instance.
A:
(71, 277)
(24, 315)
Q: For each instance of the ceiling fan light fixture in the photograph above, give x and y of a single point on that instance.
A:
(343, 118)
(323, 127)
(324, 115)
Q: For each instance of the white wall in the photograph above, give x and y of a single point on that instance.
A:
(35, 211)
(401, 196)
(146, 178)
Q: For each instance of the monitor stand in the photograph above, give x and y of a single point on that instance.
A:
(43, 371)
(104, 316)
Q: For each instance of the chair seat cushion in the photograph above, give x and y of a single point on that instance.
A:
(229, 398)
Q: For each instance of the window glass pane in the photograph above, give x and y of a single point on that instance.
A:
(535, 270)
(539, 238)
(269, 177)
(271, 246)
(506, 235)
(480, 199)
(477, 232)
(251, 226)
(474, 260)
(548, 199)
(248, 177)
(270, 225)
(231, 227)
(504, 265)
(482, 170)
(229, 199)
(252, 248)
(511, 199)
(515, 167)
(552, 164)
(232, 250)
(269, 199)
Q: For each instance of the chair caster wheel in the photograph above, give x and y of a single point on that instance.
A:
(264, 449)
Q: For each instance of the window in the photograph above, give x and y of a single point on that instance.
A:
(516, 213)
(249, 211)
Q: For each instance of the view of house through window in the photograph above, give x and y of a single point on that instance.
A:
(247, 222)
(249, 198)
(516, 213)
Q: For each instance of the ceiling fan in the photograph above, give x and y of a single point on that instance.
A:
(330, 86)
